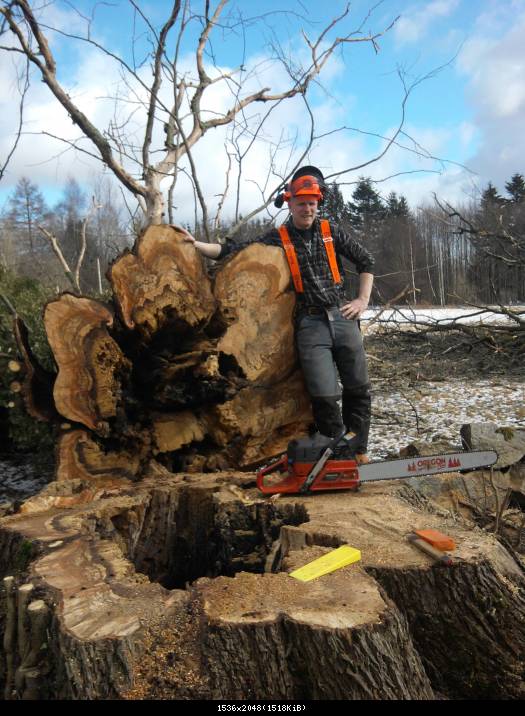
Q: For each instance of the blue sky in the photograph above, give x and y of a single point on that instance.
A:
(469, 114)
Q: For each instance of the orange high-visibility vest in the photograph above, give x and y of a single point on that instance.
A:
(292, 256)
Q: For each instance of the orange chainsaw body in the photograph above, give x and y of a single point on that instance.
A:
(335, 475)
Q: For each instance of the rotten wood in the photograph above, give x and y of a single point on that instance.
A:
(201, 372)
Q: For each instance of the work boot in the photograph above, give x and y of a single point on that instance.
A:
(362, 458)
(356, 414)
(345, 450)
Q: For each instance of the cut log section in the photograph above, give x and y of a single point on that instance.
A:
(79, 457)
(203, 373)
(259, 411)
(91, 365)
(172, 432)
(252, 297)
(162, 282)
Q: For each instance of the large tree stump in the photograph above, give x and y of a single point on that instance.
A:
(195, 373)
(177, 587)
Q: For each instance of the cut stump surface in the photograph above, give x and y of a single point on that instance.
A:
(178, 587)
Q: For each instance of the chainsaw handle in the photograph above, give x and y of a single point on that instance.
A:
(335, 442)
(281, 465)
(327, 454)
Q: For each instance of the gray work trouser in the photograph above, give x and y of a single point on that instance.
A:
(329, 346)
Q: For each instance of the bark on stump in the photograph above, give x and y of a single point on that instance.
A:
(110, 562)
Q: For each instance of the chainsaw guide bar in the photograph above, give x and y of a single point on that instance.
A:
(426, 465)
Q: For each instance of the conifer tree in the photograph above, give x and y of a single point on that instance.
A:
(397, 206)
(367, 207)
(516, 188)
(490, 197)
(26, 210)
(335, 208)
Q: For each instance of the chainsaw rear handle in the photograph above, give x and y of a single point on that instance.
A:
(280, 466)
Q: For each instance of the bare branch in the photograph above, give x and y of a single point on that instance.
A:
(23, 93)
(224, 194)
(161, 45)
(407, 92)
(115, 149)
(82, 252)
(48, 70)
(60, 256)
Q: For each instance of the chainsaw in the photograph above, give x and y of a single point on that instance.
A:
(313, 464)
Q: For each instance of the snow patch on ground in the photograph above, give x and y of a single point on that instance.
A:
(445, 316)
(437, 410)
(19, 478)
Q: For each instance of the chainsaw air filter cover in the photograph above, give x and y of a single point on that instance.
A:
(308, 449)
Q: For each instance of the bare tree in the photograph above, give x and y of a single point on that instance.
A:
(72, 274)
(26, 209)
(185, 119)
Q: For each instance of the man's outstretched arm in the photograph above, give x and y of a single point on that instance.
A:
(212, 251)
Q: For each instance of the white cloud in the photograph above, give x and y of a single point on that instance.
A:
(493, 64)
(413, 26)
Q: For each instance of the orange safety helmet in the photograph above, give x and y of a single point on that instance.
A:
(307, 181)
(306, 185)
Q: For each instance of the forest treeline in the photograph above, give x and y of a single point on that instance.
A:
(432, 254)
(437, 254)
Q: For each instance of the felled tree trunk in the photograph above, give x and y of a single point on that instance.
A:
(195, 373)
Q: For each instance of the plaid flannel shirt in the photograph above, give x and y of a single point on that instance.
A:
(318, 283)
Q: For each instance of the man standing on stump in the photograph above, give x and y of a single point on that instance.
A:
(328, 338)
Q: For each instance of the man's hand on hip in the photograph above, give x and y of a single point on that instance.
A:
(354, 309)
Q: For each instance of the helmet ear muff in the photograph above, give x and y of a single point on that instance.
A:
(282, 196)
(279, 201)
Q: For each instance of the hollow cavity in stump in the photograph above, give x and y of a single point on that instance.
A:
(202, 533)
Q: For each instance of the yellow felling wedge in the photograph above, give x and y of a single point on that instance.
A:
(340, 557)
